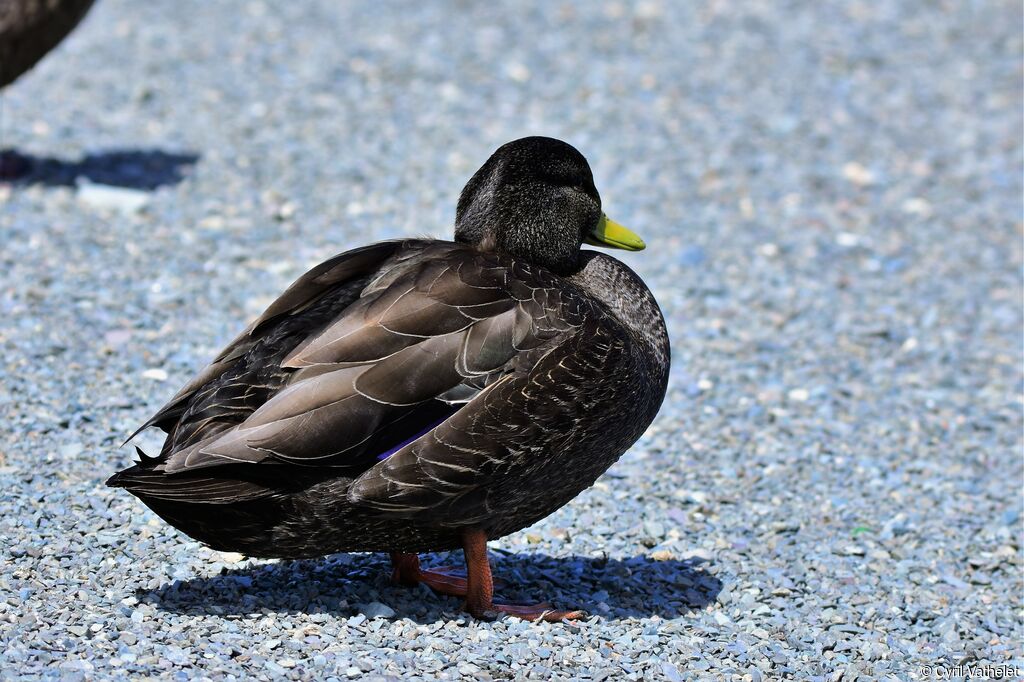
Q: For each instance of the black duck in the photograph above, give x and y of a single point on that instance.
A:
(31, 28)
(28, 30)
(424, 395)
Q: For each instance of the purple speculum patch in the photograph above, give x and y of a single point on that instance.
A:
(392, 450)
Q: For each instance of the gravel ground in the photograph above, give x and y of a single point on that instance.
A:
(832, 193)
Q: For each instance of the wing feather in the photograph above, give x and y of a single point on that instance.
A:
(421, 334)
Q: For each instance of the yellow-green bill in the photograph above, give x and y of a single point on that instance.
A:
(610, 233)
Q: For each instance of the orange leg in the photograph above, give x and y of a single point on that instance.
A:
(444, 580)
(480, 587)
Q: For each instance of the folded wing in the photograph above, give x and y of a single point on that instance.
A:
(347, 364)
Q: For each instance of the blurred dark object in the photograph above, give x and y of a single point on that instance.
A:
(31, 28)
(13, 164)
(144, 169)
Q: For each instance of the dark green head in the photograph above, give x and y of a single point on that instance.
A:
(535, 199)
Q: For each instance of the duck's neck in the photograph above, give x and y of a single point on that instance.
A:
(629, 300)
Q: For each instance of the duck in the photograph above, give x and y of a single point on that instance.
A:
(31, 28)
(425, 395)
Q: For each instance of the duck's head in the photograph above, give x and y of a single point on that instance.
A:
(535, 199)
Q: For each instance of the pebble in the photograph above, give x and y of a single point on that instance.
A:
(377, 610)
(118, 199)
(858, 174)
(799, 395)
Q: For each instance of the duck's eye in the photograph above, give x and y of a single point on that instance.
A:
(586, 190)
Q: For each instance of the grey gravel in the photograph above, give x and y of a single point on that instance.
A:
(832, 195)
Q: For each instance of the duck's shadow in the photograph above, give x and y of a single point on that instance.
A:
(342, 584)
(144, 169)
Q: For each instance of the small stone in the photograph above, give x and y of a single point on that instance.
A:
(71, 450)
(110, 198)
(375, 609)
(285, 211)
(799, 395)
(117, 337)
(858, 174)
(518, 72)
(917, 206)
(156, 374)
(847, 239)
